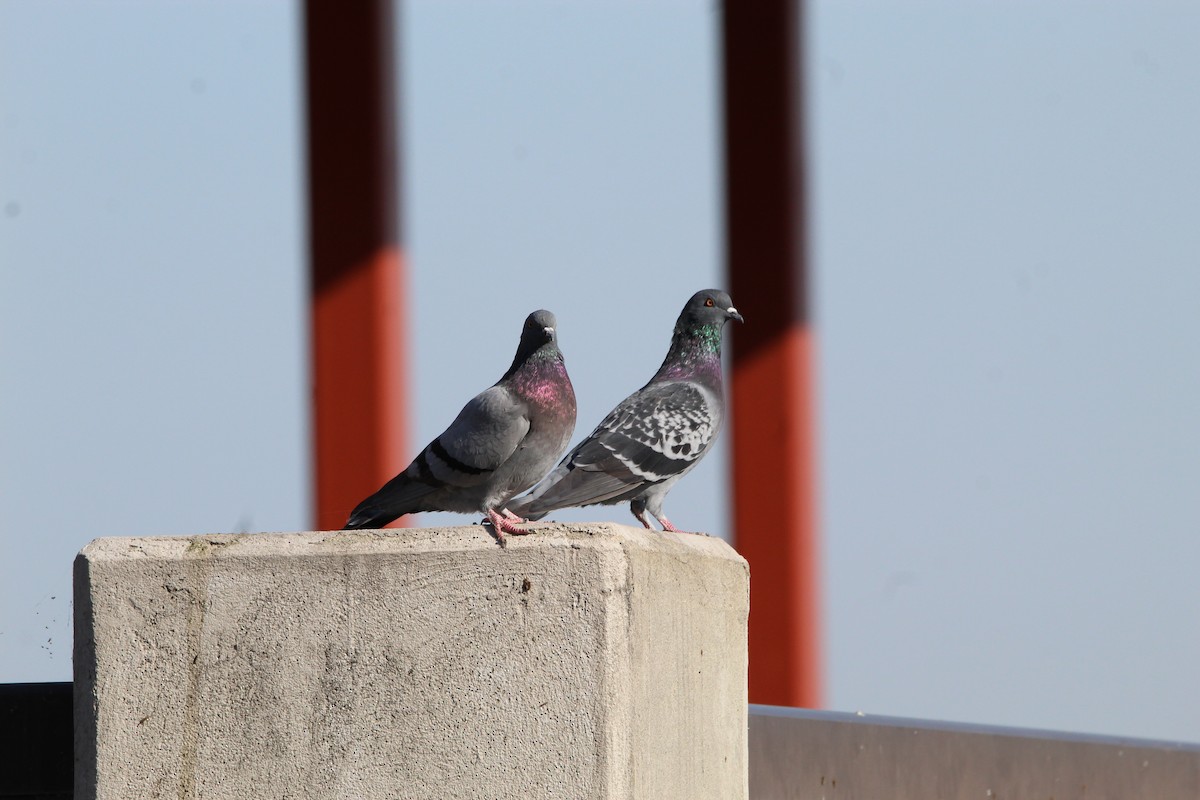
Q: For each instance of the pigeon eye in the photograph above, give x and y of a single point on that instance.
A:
(708, 303)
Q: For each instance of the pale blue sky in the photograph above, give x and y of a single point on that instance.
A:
(1004, 257)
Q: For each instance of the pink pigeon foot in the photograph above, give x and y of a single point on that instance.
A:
(503, 526)
(644, 517)
(667, 526)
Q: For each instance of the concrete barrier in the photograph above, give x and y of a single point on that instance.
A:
(591, 661)
(797, 754)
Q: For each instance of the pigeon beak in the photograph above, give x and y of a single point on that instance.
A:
(549, 329)
(733, 314)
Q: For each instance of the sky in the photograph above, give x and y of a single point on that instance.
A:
(1003, 259)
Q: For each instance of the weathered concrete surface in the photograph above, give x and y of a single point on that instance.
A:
(584, 661)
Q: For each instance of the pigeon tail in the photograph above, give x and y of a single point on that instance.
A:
(365, 520)
(399, 496)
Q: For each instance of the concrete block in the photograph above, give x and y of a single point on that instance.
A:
(586, 661)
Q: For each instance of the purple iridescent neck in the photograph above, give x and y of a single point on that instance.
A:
(542, 381)
(695, 355)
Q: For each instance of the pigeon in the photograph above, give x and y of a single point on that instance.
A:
(500, 444)
(656, 435)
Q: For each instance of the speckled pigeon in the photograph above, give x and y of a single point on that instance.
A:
(500, 444)
(656, 435)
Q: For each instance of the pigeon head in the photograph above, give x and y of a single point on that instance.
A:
(695, 351)
(538, 336)
(540, 327)
(710, 307)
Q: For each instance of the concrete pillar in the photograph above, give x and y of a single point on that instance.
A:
(587, 661)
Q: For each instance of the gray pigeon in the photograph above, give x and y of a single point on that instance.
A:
(656, 435)
(499, 445)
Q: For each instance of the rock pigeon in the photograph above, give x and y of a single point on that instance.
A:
(500, 444)
(656, 435)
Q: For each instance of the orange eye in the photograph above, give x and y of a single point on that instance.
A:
(708, 303)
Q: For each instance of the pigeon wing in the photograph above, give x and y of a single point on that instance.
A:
(484, 435)
(656, 434)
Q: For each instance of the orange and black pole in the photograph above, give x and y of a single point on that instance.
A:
(774, 482)
(357, 267)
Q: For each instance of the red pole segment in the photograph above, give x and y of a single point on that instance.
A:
(357, 270)
(773, 393)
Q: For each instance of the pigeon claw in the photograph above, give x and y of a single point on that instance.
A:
(667, 526)
(502, 525)
(510, 515)
(644, 518)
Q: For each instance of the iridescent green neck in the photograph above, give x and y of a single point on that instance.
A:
(695, 354)
(529, 352)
